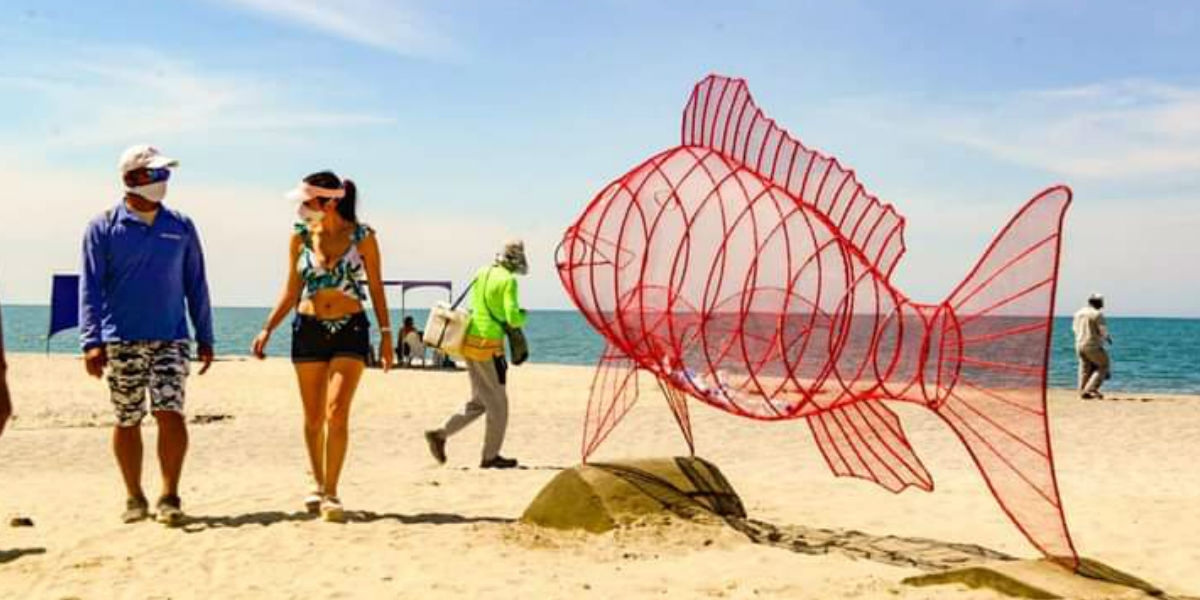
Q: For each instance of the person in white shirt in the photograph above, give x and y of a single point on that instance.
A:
(1091, 333)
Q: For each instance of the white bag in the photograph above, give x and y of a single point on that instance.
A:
(446, 328)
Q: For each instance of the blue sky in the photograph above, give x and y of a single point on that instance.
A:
(465, 123)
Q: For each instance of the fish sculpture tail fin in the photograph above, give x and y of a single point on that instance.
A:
(984, 373)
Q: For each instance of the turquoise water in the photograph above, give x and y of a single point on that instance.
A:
(1150, 354)
(557, 336)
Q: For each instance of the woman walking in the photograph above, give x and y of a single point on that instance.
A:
(331, 253)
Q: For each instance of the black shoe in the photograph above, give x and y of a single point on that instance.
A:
(437, 446)
(498, 462)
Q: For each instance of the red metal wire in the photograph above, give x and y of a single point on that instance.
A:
(752, 273)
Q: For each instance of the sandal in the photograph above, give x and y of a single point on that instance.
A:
(170, 510)
(332, 511)
(312, 502)
(136, 509)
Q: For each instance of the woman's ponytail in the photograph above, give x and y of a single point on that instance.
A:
(347, 207)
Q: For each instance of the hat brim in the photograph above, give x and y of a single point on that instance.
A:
(162, 162)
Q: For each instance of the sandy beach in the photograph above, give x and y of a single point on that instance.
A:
(1126, 468)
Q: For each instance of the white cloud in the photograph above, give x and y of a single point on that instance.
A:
(1130, 248)
(244, 228)
(390, 25)
(1118, 130)
(244, 223)
(129, 94)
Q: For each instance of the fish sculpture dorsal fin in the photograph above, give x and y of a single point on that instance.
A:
(722, 116)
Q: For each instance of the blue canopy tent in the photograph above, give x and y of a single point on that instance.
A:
(64, 305)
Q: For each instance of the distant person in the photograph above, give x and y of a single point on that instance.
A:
(330, 255)
(1091, 333)
(142, 277)
(5, 401)
(495, 306)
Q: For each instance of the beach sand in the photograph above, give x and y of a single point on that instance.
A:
(1127, 470)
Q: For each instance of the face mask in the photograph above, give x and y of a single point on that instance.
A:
(153, 192)
(309, 215)
(516, 264)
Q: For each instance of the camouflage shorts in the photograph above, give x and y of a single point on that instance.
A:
(135, 367)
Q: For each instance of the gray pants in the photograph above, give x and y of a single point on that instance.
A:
(1093, 369)
(487, 396)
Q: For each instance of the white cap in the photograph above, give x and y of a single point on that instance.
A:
(1098, 297)
(143, 156)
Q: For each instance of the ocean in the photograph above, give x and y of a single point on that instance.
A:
(1149, 354)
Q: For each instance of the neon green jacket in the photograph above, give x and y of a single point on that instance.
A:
(496, 289)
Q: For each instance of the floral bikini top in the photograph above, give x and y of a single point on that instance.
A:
(346, 275)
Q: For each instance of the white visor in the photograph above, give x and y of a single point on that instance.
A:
(303, 191)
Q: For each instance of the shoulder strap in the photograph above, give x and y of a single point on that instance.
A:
(305, 235)
(361, 231)
(463, 295)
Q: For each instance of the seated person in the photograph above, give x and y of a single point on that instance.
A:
(402, 348)
(414, 347)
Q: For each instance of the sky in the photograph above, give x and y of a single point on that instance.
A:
(465, 123)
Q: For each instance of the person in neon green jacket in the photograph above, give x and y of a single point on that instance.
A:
(494, 305)
(495, 308)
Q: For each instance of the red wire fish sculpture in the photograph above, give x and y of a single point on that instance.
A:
(753, 274)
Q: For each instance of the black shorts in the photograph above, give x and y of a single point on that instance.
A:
(316, 340)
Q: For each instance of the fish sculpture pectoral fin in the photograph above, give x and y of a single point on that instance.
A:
(997, 404)
(864, 439)
(677, 400)
(614, 392)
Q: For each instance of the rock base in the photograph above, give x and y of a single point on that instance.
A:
(598, 497)
(1045, 580)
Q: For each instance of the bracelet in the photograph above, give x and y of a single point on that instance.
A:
(383, 329)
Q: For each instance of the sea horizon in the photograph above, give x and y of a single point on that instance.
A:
(1150, 354)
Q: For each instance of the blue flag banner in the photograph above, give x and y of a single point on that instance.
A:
(64, 305)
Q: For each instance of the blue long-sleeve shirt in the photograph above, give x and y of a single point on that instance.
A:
(140, 282)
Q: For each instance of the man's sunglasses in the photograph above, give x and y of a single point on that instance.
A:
(148, 176)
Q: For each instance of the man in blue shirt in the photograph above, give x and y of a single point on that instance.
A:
(142, 276)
